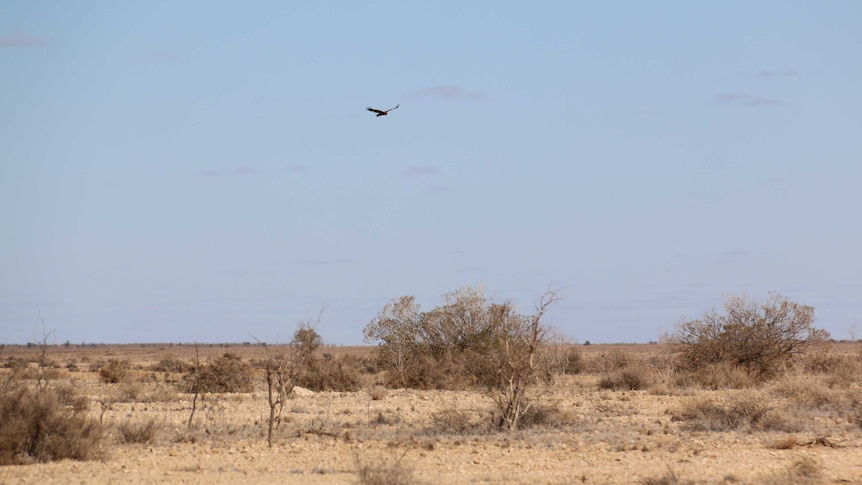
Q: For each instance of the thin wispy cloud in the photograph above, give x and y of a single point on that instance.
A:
(776, 184)
(471, 269)
(241, 170)
(742, 99)
(449, 92)
(325, 262)
(423, 171)
(21, 40)
(731, 256)
(770, 73)
(439, 188)
(164, 56)
(420, 170)
(296, 168)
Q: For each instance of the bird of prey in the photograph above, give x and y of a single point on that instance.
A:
(380, 112)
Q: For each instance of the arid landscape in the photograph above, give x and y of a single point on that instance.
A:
(620, 414)
(521, 242)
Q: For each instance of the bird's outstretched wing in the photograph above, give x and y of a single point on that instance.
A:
(380, 112)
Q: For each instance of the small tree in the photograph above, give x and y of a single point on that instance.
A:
(517, 341)
(397, 329)
(282, 369)
(227, 374)
(432, 349)
(760, 336)
(194, 382)
(467, 341)
(42, 381)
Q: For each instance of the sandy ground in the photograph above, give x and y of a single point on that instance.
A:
(600, 437)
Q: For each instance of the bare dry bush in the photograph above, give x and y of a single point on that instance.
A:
(607, 362)
(140, 433)
(115, 371)
(812, 397)
(804, 470)
(512, 359)
(840, 370)
(765, 338)
(669, 478)
(68, 396)
(384, 472)
(744, 411)
(171, 365)
(129, 392)
(546, 416)
(330, 373)
(23, 369)
(16, 364)
(466, 342)
(629, 378)
(558, 357)
(458, 422)
(377, 392)
(425, 350)
(228, 373)
(574, 360)
(148, 392)
(35, 426)
(721, 375)
(282, 370)
(804, 391)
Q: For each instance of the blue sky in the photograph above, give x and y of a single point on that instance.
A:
(206, 171)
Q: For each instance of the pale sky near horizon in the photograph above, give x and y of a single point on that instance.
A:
(207, 171)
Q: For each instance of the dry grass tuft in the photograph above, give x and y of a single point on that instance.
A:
(140, 433)
(228, 373)
(35, 426)
(810, 395)
(744, 411)
(804, 391)
(785, 443)
(170, 364)
(115, 371)
(331, 373)
(377, 392)
(722, 375)
(629, 378)
(669, 478)
(384, 472)
(842, 371)
(546, 416)
(804, 470)
(457, 422)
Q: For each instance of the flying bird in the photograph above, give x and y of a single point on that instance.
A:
(380, 112)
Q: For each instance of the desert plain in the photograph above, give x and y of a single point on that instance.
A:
(621, 417)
